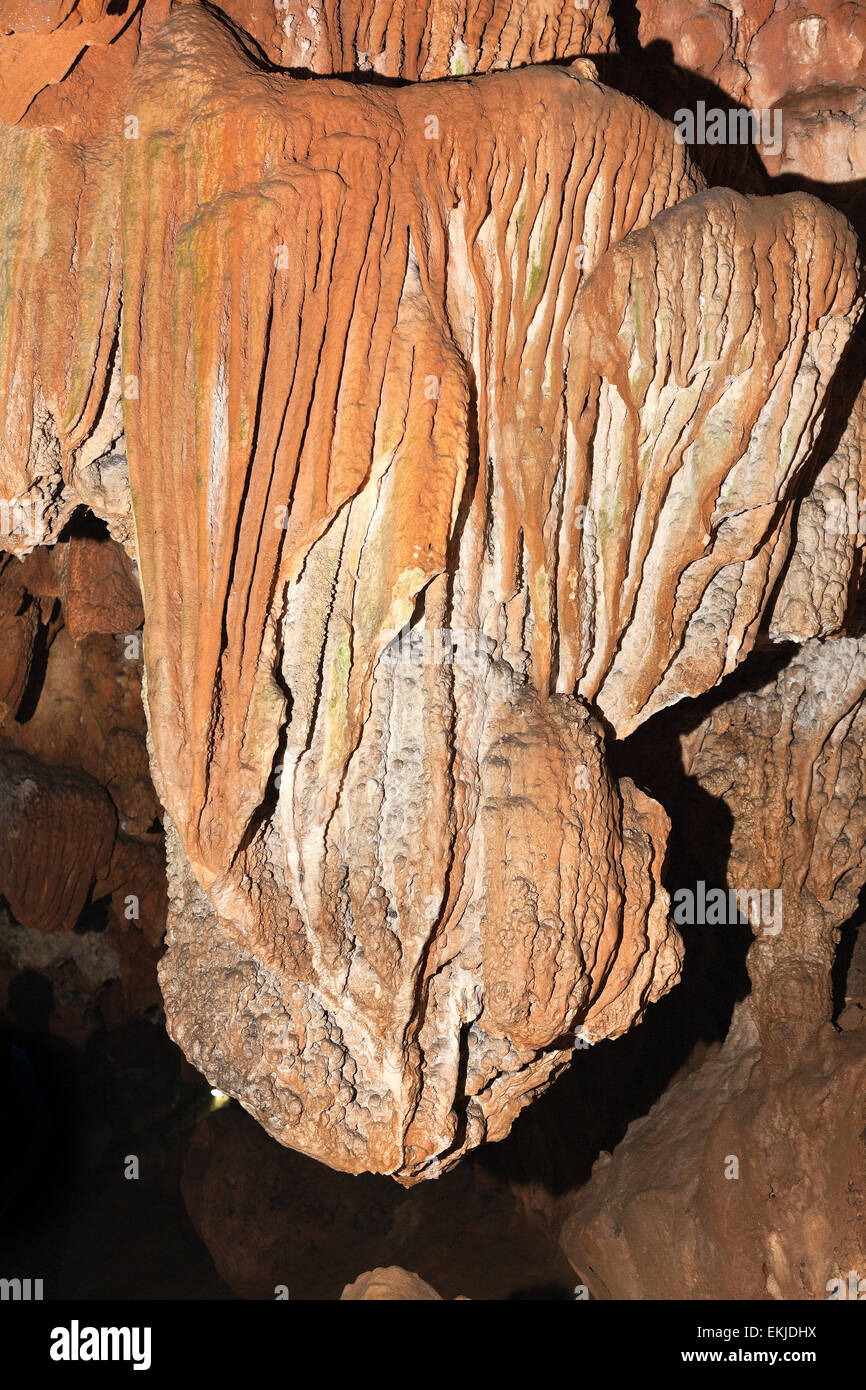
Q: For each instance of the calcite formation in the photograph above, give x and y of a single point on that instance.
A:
(82, 880)
(802, 62)
(754, 1164)
(787, 759)
(754, 1177)
(451, 428)
(403, 39)
(387, 1285)
(760, 52)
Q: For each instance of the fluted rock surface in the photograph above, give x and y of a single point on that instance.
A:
(464, 427)
(47, 814)
(64, 73)
(401, 882)
(422, 42)
(708, 342)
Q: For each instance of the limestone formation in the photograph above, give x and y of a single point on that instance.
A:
(447, 38)
(760, 52)
(392, 1284)
(416, 970)
(756, 1161)
(46, 816)
(82, 879)
(788, 761)
(755, 1177)
(452, 428)
(803, 63)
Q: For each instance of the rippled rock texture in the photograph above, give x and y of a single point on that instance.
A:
(451, 428)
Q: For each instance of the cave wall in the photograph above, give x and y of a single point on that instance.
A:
(447, 422)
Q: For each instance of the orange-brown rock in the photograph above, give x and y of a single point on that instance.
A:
(74, 690)
(59, 832)
(754, 1165)
(393, 1283)
(802, 61)
(42, 40)
(65, 69)
(441, 38)
(760, 52)
(88, 716)
(62, 847)
(742, 1182)
(64, 73)
(79, 859)
(98, 587)
(459, 427)
(343, 913)
(26, 619)
(496, 421)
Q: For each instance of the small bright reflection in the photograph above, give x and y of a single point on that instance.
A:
(219, 1097)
